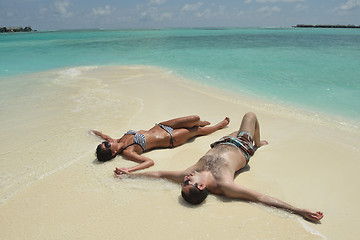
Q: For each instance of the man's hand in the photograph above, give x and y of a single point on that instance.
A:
(121, 171)
(312, 216)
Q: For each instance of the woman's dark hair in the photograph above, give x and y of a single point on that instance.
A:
(195, 195)
(103, 155)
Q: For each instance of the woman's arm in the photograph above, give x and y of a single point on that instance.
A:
(103, 136)
(144, 162)
(238, 192)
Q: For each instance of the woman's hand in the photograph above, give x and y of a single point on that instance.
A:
(101, 135)
(121, 171)
(95, 132)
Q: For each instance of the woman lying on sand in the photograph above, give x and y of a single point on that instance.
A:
(168, 134)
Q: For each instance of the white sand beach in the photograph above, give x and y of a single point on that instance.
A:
(53, 188)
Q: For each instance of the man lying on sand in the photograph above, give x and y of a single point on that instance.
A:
(171, 133)
(215, 171)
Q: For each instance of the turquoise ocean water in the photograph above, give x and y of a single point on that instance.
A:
(314, 69)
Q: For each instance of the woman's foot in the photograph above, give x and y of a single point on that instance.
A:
(203, 123)
(224, 123)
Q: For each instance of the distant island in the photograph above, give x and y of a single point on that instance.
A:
(325, 26)
(16, 29)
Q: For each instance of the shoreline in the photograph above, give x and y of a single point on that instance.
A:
(76, 197)
(284, 109)
(292, 111)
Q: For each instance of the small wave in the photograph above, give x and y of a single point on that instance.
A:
(289, 215)
(71, 72)
(74, 72)
(310, 229)
(35, 179)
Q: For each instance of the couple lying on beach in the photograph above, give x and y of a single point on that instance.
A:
(214, 172)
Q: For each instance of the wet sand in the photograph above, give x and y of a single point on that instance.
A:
(53, 188)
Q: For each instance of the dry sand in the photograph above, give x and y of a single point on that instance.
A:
(52, 187)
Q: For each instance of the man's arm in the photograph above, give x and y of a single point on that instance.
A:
(175, 176)
(239, 192)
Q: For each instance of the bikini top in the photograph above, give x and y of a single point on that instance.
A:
(139, 139)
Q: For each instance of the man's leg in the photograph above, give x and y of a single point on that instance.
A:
(251, 125)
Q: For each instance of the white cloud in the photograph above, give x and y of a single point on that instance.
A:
(274, 1)
(152, 11)
(191, 7)
(152, 14)
(204, 14)
(300, 7)
(199, 10)
(351, 4)
(148, 14)
(345, 7)
(61, 8)
(165, 16)
(157, 2)
(103, 11)
(221, 10)
(241, 13)
(43, 10)
(269, 10)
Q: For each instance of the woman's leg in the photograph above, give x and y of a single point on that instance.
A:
(182, 135)
(185, 122)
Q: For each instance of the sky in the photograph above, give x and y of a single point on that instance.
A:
(118, 14)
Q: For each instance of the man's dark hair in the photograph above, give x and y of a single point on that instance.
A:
(103, 155)
(195, 195)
